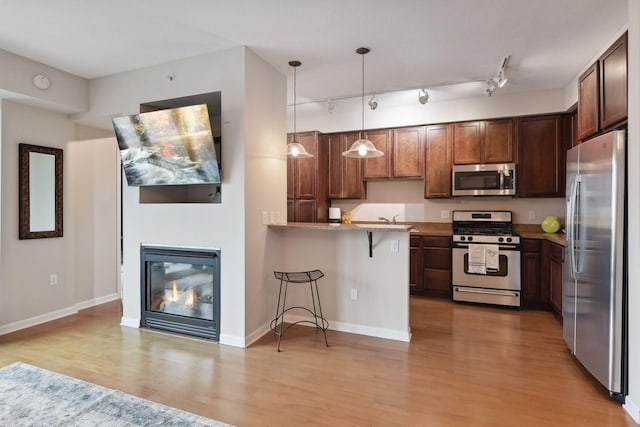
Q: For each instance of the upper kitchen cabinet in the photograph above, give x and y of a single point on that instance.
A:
(602, 92)
(613, 84)
(588, 102)
(541, 149)
(437, 179)
(403, 150)
(379, 167)
(345, 174)
(489, 141)
(307, 181)
(408, 152)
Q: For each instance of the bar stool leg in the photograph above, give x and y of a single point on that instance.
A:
(323, 327)
(281, 316)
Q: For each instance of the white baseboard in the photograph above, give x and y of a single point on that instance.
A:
(96, 301)
(632, 409)
(257, 334)
(48, 317)
(372, 331)
(130, 322)
(37, 320)
(232, 340)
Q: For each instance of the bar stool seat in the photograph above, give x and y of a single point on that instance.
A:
(300, 277)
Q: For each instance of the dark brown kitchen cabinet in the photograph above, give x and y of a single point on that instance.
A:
(555, 277)
(613, 84)
(488, 141)
(602, 92)
(379, 167)
(531, 294)
(345, 174)
(588, 102)
(430, 266)
(415, 265)
(541, 152)
(403, 150)
(408, 152)
(437, 178)
(307, 181)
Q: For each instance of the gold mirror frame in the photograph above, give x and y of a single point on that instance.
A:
(24, 219)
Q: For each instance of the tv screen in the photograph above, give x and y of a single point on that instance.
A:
(168, 147)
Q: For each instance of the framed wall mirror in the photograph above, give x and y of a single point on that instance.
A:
(40, 191)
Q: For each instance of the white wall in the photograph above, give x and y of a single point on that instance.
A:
(403, 109)
(253, 180)
(406, 198)
(68, 93)
(94, 199)
(265, 187)
(633, 400)
(27, 264)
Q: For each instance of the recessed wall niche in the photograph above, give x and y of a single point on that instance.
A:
(195, 193)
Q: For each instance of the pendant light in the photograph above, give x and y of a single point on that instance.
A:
(362, 148)
(295, 149)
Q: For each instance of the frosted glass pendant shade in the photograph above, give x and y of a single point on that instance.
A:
(362, 149)
(295, 149)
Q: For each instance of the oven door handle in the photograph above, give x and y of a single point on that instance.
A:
(501, 247)
(486, 292)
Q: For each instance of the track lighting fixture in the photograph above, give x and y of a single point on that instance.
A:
(373, 104)
(423, 96)
(499, 79)
(362, 148)
(295, 149)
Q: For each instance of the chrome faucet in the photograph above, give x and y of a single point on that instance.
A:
(388, 221)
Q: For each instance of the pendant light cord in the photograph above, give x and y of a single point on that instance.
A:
(294, 105)
(362, 98)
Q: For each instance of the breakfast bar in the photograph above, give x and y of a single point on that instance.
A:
(366, 288)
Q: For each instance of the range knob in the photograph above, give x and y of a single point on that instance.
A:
(463, 238)
(470, 238)
(509, 239)
(500, 239)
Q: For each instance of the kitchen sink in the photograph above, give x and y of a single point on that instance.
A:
(384, 226)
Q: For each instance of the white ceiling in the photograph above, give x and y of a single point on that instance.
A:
(414, 43)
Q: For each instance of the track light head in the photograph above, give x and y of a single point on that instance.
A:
(373, 104)
(423, 96)
(490, 87)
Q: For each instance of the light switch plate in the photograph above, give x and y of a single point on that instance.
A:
(395, 246)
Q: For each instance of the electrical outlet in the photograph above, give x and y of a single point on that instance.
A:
(395, 246)
(53, 279)
(354, 294)
(532, 214)
(444, 214)
(265, 217)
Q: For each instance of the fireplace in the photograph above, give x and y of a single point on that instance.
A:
(180, 290)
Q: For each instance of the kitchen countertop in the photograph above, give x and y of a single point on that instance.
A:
(526, 231)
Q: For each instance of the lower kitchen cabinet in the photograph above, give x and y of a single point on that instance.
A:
(556, 270)
(430, 266)
(531, 295)
(542, 265)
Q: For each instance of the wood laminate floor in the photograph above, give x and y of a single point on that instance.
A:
(465, 366)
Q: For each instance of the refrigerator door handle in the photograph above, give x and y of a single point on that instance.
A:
(571, 226)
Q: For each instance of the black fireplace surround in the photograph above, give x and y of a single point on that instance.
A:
(180, 290)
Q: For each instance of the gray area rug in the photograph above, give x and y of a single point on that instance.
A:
(31, 396)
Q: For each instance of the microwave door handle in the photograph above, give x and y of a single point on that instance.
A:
(501, 179)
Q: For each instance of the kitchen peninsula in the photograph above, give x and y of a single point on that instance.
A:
(360, 294)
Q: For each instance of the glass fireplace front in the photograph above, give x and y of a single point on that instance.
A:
(181, 290)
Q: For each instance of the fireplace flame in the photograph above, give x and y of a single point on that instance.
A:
(190, 300)
(175, 296)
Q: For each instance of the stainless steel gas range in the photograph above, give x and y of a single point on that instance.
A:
(485, 258)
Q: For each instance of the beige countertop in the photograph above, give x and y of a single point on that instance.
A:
(366, 226)
(526, 231)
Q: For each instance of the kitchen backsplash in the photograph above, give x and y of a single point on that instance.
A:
(405, 199)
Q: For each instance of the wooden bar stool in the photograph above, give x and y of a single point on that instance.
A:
(310, 277)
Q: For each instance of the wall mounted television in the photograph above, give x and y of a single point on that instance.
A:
(168, 147)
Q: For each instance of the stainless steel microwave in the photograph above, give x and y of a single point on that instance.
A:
(484, 180)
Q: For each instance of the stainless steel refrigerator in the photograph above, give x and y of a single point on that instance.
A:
(594, 291)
